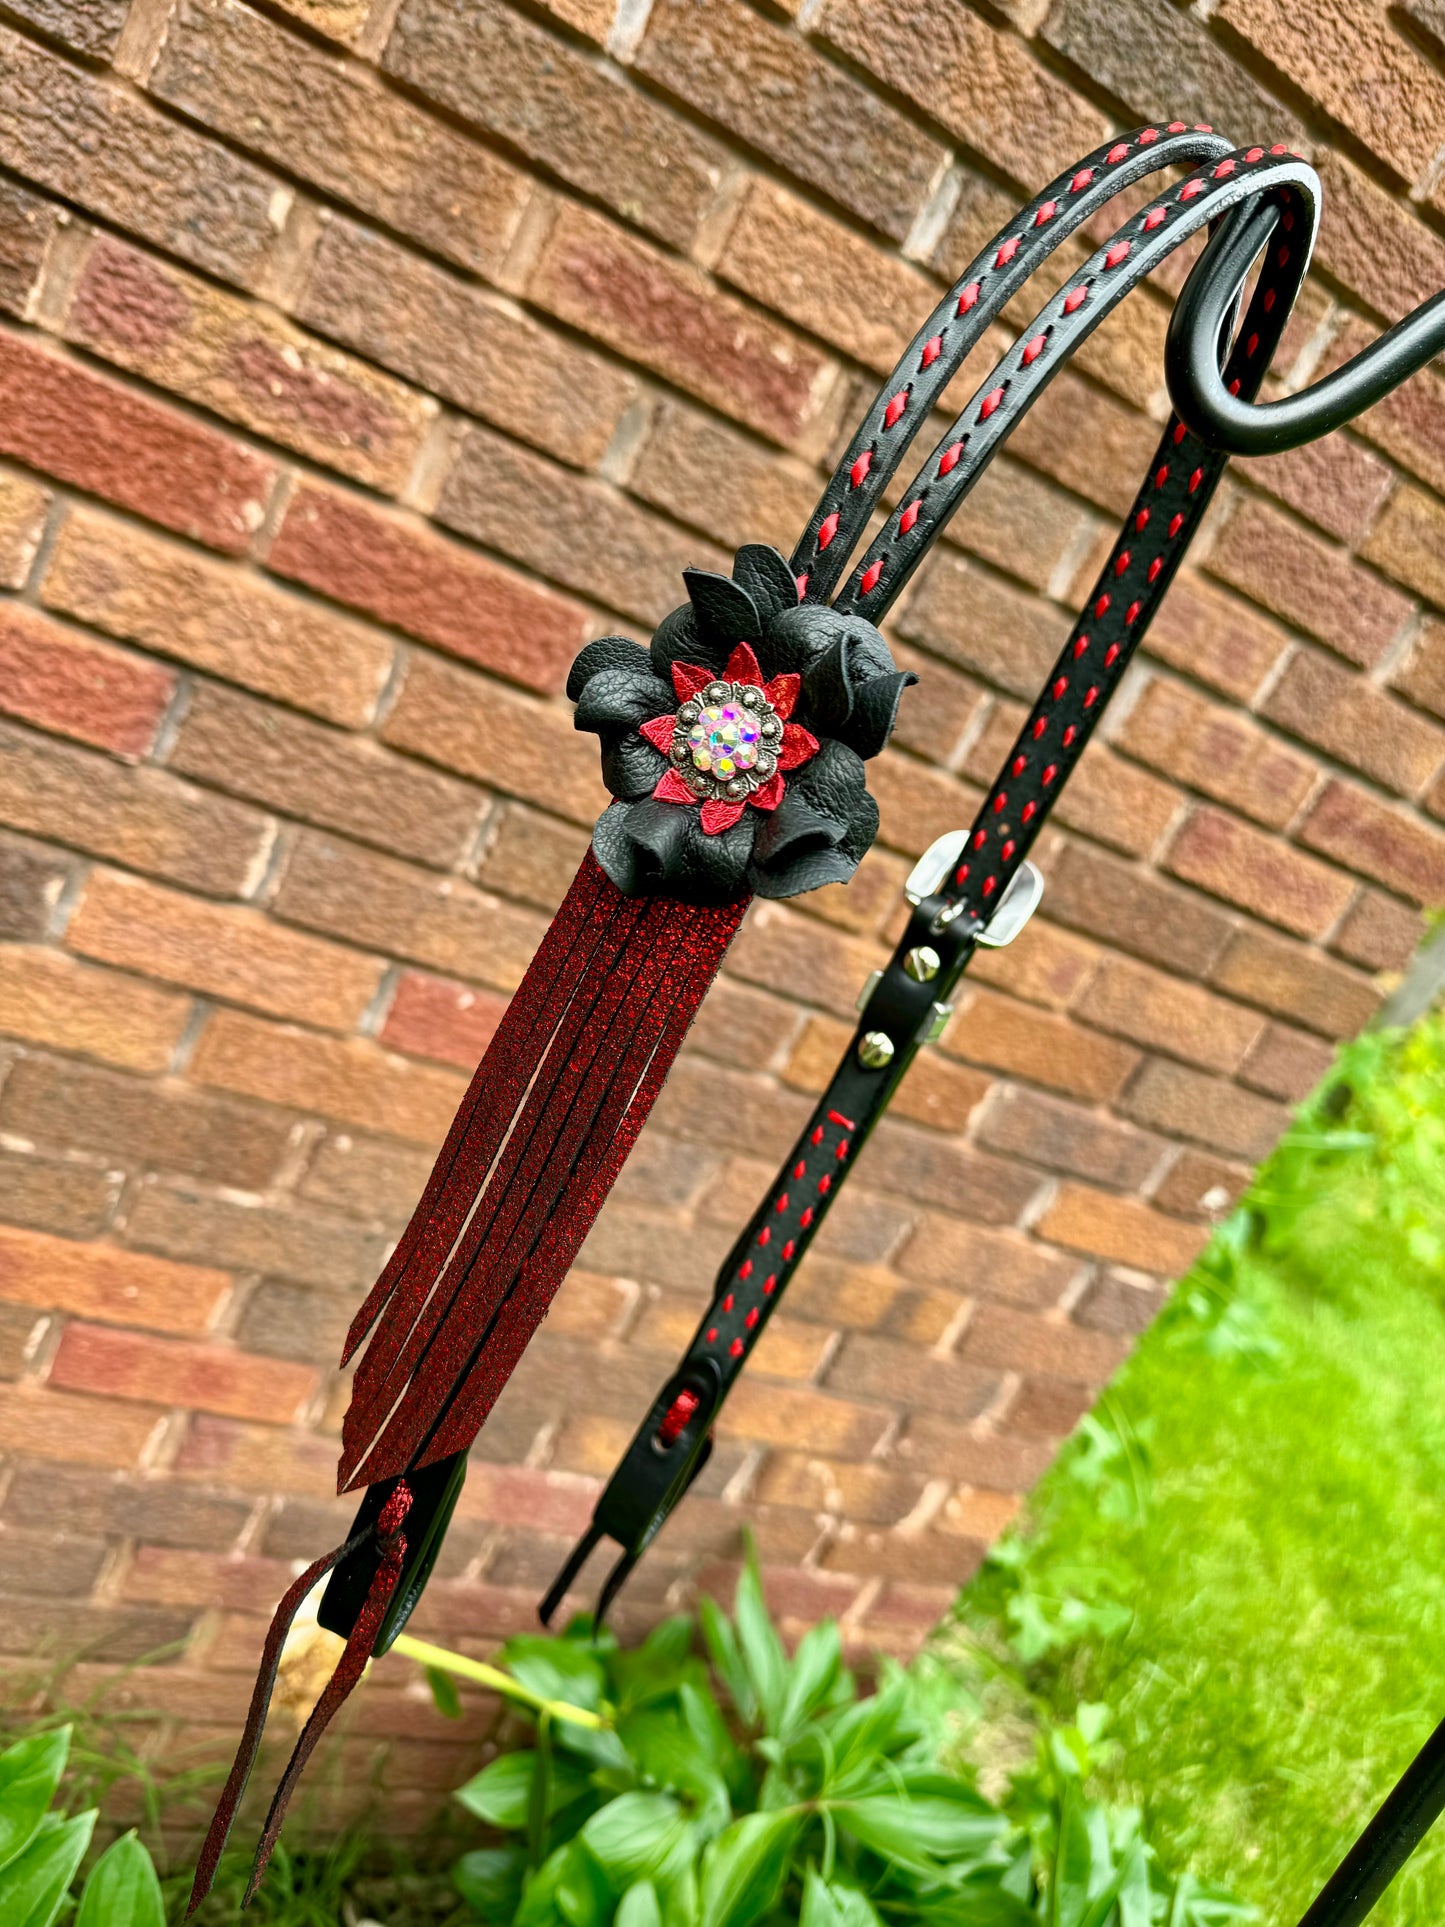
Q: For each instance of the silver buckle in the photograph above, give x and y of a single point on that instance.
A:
(1017, 904)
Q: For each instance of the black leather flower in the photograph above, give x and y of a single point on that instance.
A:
(735, 744)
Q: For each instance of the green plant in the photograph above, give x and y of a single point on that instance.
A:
(748, 1787)
(41, 1851)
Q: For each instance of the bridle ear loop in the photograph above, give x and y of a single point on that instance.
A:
(939, 486)
(958, 323)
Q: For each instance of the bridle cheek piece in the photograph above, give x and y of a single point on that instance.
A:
(735, 749)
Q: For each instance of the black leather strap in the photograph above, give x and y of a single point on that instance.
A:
(1269, 191)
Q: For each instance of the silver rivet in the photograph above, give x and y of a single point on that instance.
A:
(750, 695)
(718, 692)
(923, 964)
(875, 1049)
(771, 726)
(688, 713)
(678, 752)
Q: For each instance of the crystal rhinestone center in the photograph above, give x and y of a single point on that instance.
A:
(725, 740)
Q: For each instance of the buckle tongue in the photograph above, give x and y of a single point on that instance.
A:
(1017, 904)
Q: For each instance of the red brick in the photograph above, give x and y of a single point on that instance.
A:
(1379, 840)
(977, 82)
(1025, 1124)
(1002, 1265)
(46, 1423)
(1232, 861)
(1380, 932)
(824, 278)
(715, 479)
(145, 818)
(1018, 1341)
(349, 1080)
(307, 1245)
(772, 89)
(224, 951)
(372, 900)
(1421, 676)
(1043, 965)
(1181, 1019)
(98, 1281)
(1207, 1110)
(917, 803)
(1406, 543)
(176, 603)
(560, 110)
(1356, 723)
(27, 227)
(46, 998)
(51, 1194)
(171, 1371)
(1128, 907)
(340, 20)
(224, 1453)
(328, 121)
(1357, 69)
(1215, 750)
(395, 570)
(461, 343)
(1036, 1045)
(1122, 1229)
(1286, 1063)
(1333, 483)
(1198, 1185)
(344, 782)
(431, 1017)
(106, 148)
(53, 676)
(376, 1179)
(1295, 982)
(1409, 425)
(31, 881)
(1372, 245)
(1088, 441)
(981, 624)
(243, 363)
(1129, 49)
(1308, 583)
(144, 1124)
(113, 442)
(1118, 804)
(178, 1576)
(590, 537)
(667, 316)
(1216, 638)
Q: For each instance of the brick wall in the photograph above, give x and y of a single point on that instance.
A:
(359, 361)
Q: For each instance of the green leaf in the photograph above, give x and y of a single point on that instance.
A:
(637, 1836)
(666, 1752)
(726, 1655)
(762, 1650)
(501, 1793)
(34, 1885)
(743, 1868)
(556, 1669)
(122, 1889)
(29, 1774)
(447, 1699)
(1070, 1880)
(825, 1904)
(490, 1881)
(639, 1907)
(816, 1669)
(937, 1822)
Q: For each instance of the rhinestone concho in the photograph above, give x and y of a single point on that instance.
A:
(726, 740)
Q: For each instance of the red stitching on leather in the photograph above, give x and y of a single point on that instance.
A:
(1190, 189)
(969, 296)
(1007, 252)
(1111, 655)
(1091, 695)
(1046, 213)
(745, 1269)
(736, 1348)
(1069, 734)
(1254, 154)
(1117, 152)
(1225, 167)
(807, 1216)
(1154, 567)
(1000, 802)
(788, 1249)
(1019, 765)
(948, 460)
(990, 403)
(1119, 252)
(1195, 479)
(770, 1284)
(828, 528)
(893, 412)
(1154, 218)
(825, 1184)
(990, 884)
(980, 837)
(1149, 136)
(1035, 349)
(1007, 851)
(1060, 684)
(1075, 298)
(1101, 608)
(782, 1203)
(1141, 521)
(1178, 432)
(870, 577)
(1131, 614)
(843, 1123)
(1176, 523)
(860, 468)
(765, 1236)
(727, 1303)
(1051, 772)
(752, 1315)
(909, 516)
(1081, 180)
(817, 1136)
(1040, 726)
(676, 1416)
(1081, 643)
(1027, 811)
(1121, 561)
(1161, 476)
(932, 349)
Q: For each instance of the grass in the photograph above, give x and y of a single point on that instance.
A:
(1243, 1551)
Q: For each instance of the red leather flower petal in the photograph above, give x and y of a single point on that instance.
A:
(718, 815)
(672, 789)
(743, 666)
(782, 693)
(770, 794)
(688, 679)
(797, 747)
(660, 732)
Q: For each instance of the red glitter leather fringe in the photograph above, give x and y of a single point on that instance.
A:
(558, 1100)
(231, 1794)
